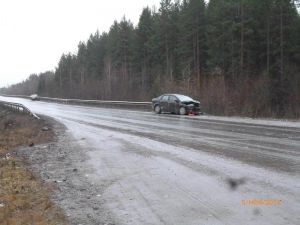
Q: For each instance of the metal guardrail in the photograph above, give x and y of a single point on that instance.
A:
(15, 96)
(141, 105)
(16, 107)
(121, 104)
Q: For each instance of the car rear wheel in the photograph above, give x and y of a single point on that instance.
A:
(157, 109)
(182, 111)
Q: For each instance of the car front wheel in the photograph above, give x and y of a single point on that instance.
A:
(182, 111)
(157, 109)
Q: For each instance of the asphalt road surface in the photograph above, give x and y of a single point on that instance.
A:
(192, 170)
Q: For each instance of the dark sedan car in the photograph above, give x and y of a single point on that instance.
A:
(175, 103)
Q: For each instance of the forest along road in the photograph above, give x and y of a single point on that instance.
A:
(168, 169)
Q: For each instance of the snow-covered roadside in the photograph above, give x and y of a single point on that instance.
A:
(253, 121)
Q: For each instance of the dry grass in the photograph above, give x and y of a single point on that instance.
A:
(24, 200)
(16, 130)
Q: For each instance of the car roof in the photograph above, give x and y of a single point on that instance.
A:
(171, 94)
(176, 95)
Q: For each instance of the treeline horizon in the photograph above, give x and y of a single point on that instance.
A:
(238, 57)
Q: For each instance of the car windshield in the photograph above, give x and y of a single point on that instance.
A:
(184, 98)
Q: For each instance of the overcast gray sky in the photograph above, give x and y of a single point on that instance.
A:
(35, 33)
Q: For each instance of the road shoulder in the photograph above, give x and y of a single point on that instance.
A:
(63, 163)
(24, 198)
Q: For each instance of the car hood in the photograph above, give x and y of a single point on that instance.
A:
(190, 102)
(193, 103)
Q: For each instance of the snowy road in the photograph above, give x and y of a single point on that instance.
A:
(167, 169)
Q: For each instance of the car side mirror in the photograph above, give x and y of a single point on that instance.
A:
(177, 101)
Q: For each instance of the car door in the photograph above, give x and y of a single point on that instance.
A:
(164, 103)
(173, 104)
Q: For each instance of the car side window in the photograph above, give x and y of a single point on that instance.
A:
(165, 98)
(172, 99)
